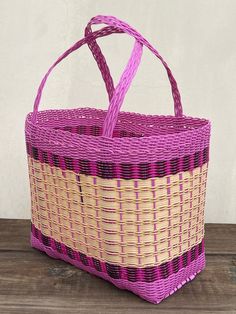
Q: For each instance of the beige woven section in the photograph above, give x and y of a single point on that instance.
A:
(135, 222)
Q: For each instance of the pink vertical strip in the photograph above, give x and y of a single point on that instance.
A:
(199, 202)
(83, 213)
(205, 183)
(76, 166)
(200, 190)
(118, 171)
(70, 210)
(57, 206)
(46, 188)
(190, 208)
(46, 199)
(169, 214)
(181, 210)
(97, 216)
(34, 187)
(51, 163)
(40, 156)
(168, 167)
(121, 222)
(138, 219)
(62, 164)
(155, 218)
(40, 198)
(93, 168)
(191, 162)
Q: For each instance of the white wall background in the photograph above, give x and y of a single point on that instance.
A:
(197, 38)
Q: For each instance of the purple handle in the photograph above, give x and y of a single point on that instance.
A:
(116, 95)
(101, 62)
(101, 33)
(116, 102)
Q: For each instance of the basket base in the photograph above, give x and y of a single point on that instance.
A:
(153, 292)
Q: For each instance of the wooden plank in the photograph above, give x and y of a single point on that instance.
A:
(31, 282)
(220, 238)
(14, 233)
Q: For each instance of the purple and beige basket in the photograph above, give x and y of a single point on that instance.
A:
(120, 195)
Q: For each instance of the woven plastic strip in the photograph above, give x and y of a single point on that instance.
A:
(114, 107)
(123, 85)
(120, 195)
(81, 194)
(101, 62)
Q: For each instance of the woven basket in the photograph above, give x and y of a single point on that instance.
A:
(120, 195)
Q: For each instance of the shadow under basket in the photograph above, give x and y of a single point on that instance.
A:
(120, 195)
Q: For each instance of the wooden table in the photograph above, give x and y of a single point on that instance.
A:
(32, 283)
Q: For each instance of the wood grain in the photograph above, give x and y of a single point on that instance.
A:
(31, 282)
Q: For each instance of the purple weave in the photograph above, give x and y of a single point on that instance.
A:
(153, 292)
(109, 170)
(191, 135)
(134, 274)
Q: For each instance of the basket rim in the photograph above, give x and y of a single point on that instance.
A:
(206, 124)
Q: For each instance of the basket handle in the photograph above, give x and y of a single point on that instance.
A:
(101, 62)
(116, 101)
(129, 71)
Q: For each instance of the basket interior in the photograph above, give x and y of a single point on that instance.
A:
(86, 121)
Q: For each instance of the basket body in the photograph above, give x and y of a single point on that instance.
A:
(120, 195)
(128, 209)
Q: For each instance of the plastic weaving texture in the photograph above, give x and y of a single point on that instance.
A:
(118, 194)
